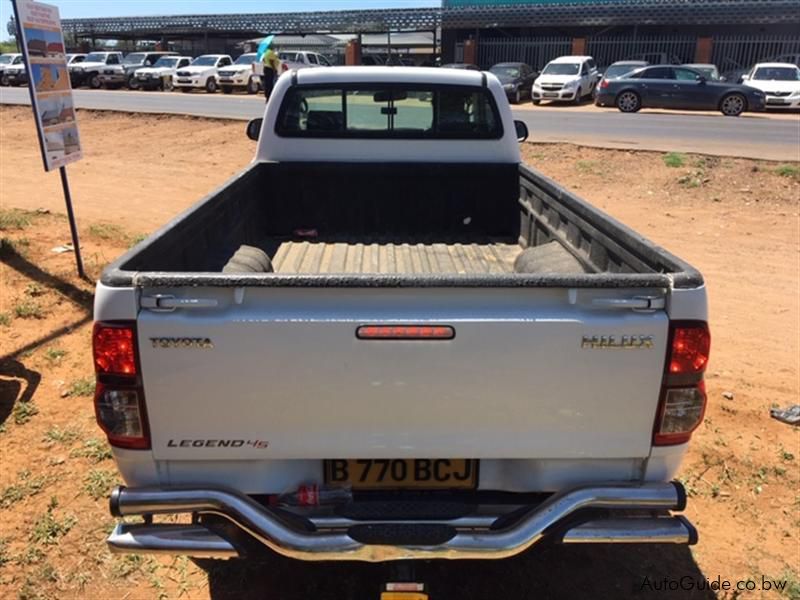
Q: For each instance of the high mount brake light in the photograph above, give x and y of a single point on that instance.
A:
(405, 332)
(119, 397)
(683, 392)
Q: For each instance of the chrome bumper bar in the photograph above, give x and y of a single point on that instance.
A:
(454, 539)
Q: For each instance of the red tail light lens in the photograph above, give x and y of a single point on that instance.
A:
(114, 349)
(284, 67)
(119, 397)
(604, 83)
(405, 332)
(683, 392)
(690, 348)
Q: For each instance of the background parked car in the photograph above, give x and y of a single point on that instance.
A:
(302, 59)
(467, 66)
(708, 70)
(202, 73)
(240, 75)
(665, 86)
(124, 74)
(75, 59)
(617, 70)
(161, 74)
(15, 74)
(7, 60)
(566, 79)
(517, 79)
(780, 83)
(88, 72)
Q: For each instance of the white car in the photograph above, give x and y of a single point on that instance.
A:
(302, 59)
(779, 81)
(6, 61)
(202, 73)
(566, 79)
(15, 74)
(240, 75)
(161, 74)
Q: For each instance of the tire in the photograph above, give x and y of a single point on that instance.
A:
(252, 86)
(94, 81)
(211, 85)
(733, 105)
(536, 101)
(226, 89)
(628, 101)
(132, 83)
(517, 97)
(248, 259)
(4, 81)
(578, 97)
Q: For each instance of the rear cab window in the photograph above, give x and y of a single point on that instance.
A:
(389, 111)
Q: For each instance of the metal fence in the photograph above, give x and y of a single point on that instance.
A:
(536, 51)
(742, 51)
(674, 48)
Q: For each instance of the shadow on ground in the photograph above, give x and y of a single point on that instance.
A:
(555, 572)
(17, 384)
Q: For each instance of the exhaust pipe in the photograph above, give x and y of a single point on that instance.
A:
(286, 538)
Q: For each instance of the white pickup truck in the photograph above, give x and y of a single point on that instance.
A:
(444, 353)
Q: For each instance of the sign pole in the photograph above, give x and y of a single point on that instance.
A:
(73, 227)
(41, 41)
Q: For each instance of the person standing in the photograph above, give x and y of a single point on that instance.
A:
(272, 65)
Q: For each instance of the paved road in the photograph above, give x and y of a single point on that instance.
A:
(753, 136)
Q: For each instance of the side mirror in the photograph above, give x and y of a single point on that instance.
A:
(522, 130)
(701, 80)
(745, 77)
(254, 129)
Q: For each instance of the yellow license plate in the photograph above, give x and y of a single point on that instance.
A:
(403, 473)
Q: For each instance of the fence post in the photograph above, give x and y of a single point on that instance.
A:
(704, 50)
(470, 52)
(352, 53)
(579, 46)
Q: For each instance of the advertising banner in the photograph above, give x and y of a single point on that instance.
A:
(51, 93)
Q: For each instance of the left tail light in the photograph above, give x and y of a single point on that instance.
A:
(119, 397)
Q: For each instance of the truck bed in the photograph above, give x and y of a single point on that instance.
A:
(317, 258)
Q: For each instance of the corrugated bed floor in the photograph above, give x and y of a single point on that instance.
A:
(321, 258)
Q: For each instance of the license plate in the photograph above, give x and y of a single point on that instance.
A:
(550, 95)
(403, 473)
(226, 80)
(184, 81)
(140, 76)
(776, 101)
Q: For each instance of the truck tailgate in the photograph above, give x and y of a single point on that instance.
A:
(279, 373)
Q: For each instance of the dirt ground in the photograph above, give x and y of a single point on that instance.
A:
(736, 220)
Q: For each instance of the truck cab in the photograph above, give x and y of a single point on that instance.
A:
(88, 72)
(116, 76)
(388, 339)
(202, 73)
(8, 60)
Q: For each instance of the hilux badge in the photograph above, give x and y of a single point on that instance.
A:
(625, 342)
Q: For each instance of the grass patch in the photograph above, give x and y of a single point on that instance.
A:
(792, 171)
(48, 528)
(674, 159)
(4, 555)
(13, 219)
(81, 387)
(56, 435)
(24, 412)
(137, 239)
(25, 486)
(107, 231)
(28, 309)
(54, 355)
(5, 319)
(93, 449)
(127, 565)
(98, 483)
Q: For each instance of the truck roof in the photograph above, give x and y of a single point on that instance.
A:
(427, 75)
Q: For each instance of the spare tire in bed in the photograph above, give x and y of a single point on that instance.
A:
(548, 258)
(248, 259)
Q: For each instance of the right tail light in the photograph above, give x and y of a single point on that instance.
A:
(683, 393)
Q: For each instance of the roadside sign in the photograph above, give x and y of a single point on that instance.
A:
(43, 48)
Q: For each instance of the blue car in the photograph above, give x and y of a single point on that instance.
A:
(667, 86)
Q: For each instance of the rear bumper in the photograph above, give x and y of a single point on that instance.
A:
(567, 517)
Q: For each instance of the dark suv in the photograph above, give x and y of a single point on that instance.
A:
(123, 74)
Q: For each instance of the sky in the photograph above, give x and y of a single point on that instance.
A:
(72, 9)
